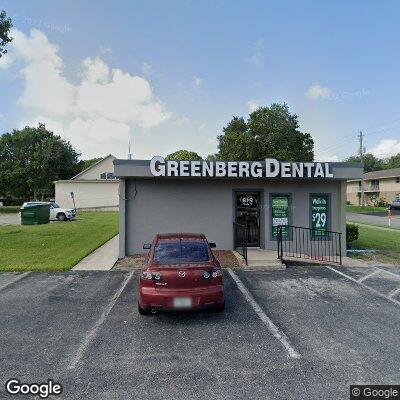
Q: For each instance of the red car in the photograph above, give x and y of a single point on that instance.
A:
(181, 273)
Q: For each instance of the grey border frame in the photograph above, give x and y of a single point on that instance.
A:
(329, 228)
(290, 195)
(262, 214)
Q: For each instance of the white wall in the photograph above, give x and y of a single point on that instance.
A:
(105, 165)
(87, 194)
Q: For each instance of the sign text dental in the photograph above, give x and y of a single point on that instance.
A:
(240, 169)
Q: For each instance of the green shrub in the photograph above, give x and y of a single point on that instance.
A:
(351, 232)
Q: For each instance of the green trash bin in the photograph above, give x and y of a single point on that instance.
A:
(35, 214)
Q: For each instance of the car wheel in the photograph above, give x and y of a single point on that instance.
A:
(220, 308)
(143, 311)
(61, 217)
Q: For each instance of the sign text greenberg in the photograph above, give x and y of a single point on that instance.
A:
(240, 169)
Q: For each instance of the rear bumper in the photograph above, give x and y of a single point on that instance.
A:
(162, 299)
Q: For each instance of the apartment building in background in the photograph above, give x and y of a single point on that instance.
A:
(381, 185)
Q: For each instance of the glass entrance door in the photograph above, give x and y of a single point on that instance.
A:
(247, 212)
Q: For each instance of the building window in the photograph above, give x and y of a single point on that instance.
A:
(280, 214)
(107, 175)
(320, 215)
(398, 179)
(375, 183)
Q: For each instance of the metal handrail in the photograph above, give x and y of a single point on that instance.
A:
(309, 243)
(242, 229)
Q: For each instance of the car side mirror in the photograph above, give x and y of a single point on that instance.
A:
(212, 245)
(147, 246)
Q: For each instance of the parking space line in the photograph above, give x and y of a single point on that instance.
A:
(388, 272)
(364, 278)
(387, 297)
(394, 292)
(14, 279)
(276, 332)
(91, 335)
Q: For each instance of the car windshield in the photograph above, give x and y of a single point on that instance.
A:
(181, 252)
(55, 205)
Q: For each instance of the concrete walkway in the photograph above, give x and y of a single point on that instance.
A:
(102, 259)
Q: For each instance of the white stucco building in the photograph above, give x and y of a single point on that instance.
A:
(94, 188)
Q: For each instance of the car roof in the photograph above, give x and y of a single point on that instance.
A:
(179, 236)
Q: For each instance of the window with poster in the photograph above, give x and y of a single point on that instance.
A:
(280, 214)
(320, 215)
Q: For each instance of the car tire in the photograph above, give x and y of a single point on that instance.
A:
(143, 311)
(61, 217)
(220, 308)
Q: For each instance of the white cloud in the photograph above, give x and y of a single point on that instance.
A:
(1, 115)
(252, 105)
(385, 148)
(257, 57)
(182, 120)
(95, 114)
(5, 61)
(198, 81)
(316, 92)
(327, 158)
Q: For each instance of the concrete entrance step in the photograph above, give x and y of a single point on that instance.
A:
(260, 259)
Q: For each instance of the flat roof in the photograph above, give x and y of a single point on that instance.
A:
(141, 169)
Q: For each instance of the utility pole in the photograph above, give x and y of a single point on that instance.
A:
(361, 152)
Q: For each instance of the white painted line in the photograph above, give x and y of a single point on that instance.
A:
(364, 278)
(365, 286)
(276, 332)
(14, 279)
(91, 335)
(388, 272)
(394, 292)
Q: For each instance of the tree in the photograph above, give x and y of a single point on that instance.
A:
(268, 132)
(31, 159)
(85, 164)
(5, 26)
(183, 155)
(371, 163)
(393, 162)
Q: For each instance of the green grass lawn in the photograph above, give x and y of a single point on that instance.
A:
(385, 241)
(365, 209)
(56, 246)
(9, 209)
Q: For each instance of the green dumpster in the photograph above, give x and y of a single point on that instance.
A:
(35, 214)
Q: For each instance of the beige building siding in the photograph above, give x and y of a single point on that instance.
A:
(90, 190)
(88, 194)
(94, 172)
(387, 190)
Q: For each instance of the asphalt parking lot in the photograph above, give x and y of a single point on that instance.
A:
(300, 333)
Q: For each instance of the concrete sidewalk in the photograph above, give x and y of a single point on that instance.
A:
(102, 259)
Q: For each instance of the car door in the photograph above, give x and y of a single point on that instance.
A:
(52, 213)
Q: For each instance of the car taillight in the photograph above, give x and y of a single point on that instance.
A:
(151, 275)
(217, 273)
(213, 274)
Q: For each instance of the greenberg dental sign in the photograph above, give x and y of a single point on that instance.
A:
(240, 169)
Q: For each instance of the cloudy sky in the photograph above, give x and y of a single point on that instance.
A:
(170, 74)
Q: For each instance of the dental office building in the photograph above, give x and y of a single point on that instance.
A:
(159, 196)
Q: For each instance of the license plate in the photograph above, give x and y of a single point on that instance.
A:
(182, 302)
